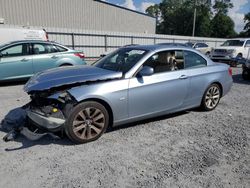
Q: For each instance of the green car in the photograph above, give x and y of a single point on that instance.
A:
(22, 59)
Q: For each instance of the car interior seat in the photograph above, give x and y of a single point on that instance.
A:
(162, 64)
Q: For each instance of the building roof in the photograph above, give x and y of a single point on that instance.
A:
(117, 6)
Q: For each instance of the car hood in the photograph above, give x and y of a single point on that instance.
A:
(64, 76)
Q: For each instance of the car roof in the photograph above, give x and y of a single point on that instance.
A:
(157, 47)
(31, 41)
(239, 39)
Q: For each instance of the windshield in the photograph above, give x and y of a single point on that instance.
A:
(233, 43)
(121, 60)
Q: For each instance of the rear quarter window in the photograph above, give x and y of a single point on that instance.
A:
(193, 60)
(60, 48)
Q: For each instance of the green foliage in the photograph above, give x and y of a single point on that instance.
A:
(246, 32)
(176, 17)
(222, 26)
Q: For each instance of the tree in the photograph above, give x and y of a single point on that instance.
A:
(175, 17)
(247, 26)
(221, 24)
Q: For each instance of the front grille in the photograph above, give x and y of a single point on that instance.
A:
(220, 51)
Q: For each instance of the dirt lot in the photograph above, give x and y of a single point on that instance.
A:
(189, 149)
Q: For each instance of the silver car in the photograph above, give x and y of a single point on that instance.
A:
(130, 84)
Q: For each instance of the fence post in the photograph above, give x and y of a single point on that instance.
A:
(73, 40)
(132, 40)
(106, 43)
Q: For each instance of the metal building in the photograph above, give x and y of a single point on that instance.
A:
(77, 14)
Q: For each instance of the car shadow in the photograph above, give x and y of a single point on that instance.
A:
(150, 120)
(237, 78)
(63, 140)
(13, 83)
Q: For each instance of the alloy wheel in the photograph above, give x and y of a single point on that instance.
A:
(88, 123)
(212, 97)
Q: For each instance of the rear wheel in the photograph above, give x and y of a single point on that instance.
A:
(87, 122)
(211, 97)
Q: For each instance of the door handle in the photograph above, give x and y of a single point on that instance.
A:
(25, 59)
(54, 57)
(183, 77)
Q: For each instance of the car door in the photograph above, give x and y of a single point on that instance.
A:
(45, 56)
(197, 71)
(16, 62)
(165, 90)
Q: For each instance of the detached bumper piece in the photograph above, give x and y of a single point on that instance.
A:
(16, 123)
(52, 124)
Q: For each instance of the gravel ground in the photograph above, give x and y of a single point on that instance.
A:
(188, 149)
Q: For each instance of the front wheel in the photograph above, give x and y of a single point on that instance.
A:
(211, 97)
(87, 122)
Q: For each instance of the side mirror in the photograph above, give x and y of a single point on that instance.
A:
(102, 55)
(146, 71)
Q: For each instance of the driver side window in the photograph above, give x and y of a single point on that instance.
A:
(16, 50)
(166, 61)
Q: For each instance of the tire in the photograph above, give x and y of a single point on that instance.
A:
(86, 122)
(211, 97)
(245, 75)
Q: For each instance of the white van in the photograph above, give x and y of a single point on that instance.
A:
(14, 34)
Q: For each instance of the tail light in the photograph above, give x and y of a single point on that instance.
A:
(81, 55)
(230, 71)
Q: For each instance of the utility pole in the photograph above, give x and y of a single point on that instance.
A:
(194, 18)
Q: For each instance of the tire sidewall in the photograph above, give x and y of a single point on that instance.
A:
(69, 122)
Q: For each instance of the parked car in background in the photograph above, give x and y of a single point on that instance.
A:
(246, 67)
(21, 59)
(17, 34)
(232, 52)
(200, 46)
(130, 84)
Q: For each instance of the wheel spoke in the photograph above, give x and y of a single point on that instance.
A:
(99, 124)
(76, 123)
(216, 96)
(83, 135)
(96, 129)
(88, 132)
(96, 112)
(100, 116)
(76, 129)
(87, 112)
(81, 114)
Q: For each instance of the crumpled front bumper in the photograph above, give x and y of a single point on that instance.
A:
(47, 122)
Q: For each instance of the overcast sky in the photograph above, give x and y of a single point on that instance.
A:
(237, 13)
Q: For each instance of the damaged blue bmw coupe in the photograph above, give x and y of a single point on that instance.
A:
(130, 84)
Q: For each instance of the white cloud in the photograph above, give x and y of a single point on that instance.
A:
(237, 16)
(145, 5)
(128, 4)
